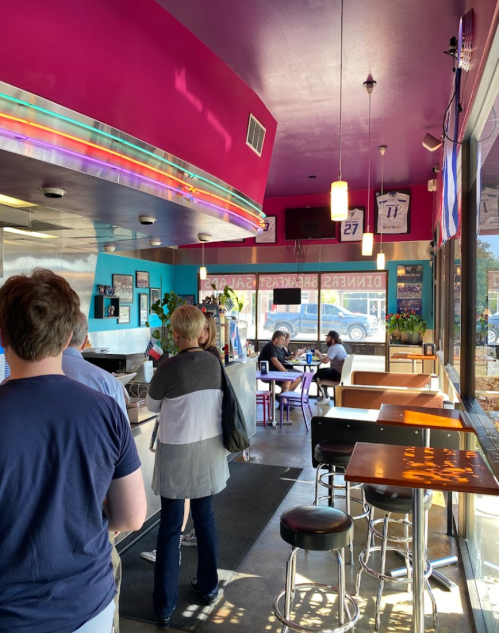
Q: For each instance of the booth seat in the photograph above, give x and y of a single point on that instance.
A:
(390, 379)
(366, 397)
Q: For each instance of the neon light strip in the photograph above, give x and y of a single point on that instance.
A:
(135, 147)
(126, 171)
(126, 158)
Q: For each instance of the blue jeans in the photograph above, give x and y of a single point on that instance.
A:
(166, 570)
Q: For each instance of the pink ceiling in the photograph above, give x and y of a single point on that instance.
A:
(288, 52)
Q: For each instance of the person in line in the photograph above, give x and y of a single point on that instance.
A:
(190, 462)
(69, 471)
(285, 354)
(77, 368)
(335, 357)
(207, 341)
(271, 353)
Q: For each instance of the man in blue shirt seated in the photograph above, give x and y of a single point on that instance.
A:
(69, 470)
(76, 367)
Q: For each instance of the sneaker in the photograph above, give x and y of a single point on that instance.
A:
(163, 623)
(190, 540)
(322, 400)
(209, 599)
(150, 556)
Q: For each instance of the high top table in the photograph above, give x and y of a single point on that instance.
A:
(413, 358)
(427, 418)
(420, 468)
(273, 377)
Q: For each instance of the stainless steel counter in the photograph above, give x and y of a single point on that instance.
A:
(242, 377)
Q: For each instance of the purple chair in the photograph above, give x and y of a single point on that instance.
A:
(294, 399)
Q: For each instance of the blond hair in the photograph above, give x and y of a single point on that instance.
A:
(212, 334)
(188, 322)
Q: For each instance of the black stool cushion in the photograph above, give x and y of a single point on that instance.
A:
(393, 498)
(334, 453)
(317, 528)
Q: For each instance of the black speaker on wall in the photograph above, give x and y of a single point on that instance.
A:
(287, 296)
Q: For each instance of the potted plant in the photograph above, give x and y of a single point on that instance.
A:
(164, 308)
(228, 299)
(392, 326)
(407, 326)
(416, 327)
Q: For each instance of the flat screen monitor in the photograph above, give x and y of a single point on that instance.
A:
(308, 224)
(287, 296)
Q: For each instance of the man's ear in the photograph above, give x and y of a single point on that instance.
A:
(84, 343)
(69, 341)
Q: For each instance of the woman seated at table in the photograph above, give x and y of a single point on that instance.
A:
(271, 352)
(335, 356)
(286, 355)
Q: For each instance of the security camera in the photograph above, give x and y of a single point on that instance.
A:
(204, 237)
(431, 143)
(154, 242)
(53, 192)
(109, 248)
(146, 219)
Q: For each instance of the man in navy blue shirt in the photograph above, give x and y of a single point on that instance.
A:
(69, 471)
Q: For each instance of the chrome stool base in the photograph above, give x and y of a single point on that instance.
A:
(344, 599)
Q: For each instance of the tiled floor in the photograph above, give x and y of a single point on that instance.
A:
(247, 602)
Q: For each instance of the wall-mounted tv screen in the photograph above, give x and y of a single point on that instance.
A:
(308, 224)
(287, 296)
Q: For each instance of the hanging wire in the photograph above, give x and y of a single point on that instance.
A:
(369, 168)
(341, 89)
(382, 183)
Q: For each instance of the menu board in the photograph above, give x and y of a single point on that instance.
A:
(410, 288)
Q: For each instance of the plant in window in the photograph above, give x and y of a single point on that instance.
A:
(164, 308)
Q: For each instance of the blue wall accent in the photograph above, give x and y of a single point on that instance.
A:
(160, 276)
(185, 278)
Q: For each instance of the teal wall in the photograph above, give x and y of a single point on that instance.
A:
(160, 276)
(185, 277)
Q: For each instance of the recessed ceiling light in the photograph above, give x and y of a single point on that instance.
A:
(42, 236)
(154, 242)
(15, 202)
(312, 177)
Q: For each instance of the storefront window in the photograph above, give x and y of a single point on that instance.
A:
(244, 287)
(354, 304)
(457, 308)
(301, 321)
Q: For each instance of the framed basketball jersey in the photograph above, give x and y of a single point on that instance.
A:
(392, 212)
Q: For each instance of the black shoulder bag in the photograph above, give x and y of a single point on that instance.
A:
(235, 434)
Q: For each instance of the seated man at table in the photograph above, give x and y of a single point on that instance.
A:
(335, 356)
(270, 352)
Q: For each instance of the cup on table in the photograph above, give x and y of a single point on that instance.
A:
(308, 356)
(264, 367)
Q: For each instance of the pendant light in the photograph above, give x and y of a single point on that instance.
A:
(339, 188)
(368, 237)
(380, 259)
(203, 237)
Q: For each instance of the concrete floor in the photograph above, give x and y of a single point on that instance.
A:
(247, 602)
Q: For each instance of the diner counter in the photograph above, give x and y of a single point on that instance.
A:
(242, 377)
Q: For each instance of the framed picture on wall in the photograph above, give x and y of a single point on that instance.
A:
(268, 236)
(124, 315)
(154, 295)
(190, 300)
(351, 230)
(124, 287)
(141, 279)
(143, 308)
(393, 212)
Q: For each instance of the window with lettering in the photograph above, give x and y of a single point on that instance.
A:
(301, 321)
(354, 305)
(244, 287)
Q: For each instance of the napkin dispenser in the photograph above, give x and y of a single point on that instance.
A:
(428, 349)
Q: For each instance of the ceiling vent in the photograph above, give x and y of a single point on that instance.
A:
(255, 135)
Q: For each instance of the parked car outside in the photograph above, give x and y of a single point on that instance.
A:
(356, 326)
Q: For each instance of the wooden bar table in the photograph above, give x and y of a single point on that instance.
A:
(413, 358)
(273, 377)
(419, 468)
(427, 418)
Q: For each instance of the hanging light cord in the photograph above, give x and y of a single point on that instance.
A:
(341, 88)
(382, 181)
(202, 254)
(369, 167)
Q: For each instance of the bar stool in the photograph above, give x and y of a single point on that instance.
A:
(263, 398)
(391, 499)
(319, 529)
(332, 455)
